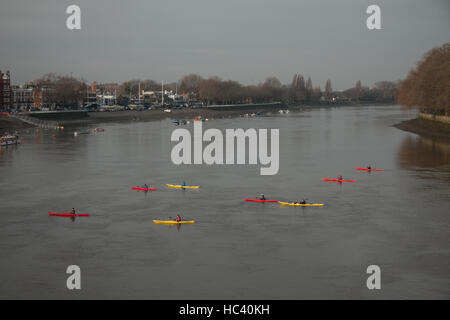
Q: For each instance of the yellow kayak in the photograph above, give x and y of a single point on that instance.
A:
(182, 187)
(300, 205)
(171, 222)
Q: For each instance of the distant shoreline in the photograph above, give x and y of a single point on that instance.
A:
(97, 118)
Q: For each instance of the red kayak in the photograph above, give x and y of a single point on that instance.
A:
(365, 169)
(259, 200)
(143, 189)
(337, 180)
(67, 214)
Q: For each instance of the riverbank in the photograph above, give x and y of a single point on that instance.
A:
(95, 118)
(189, 113)
(428, 128)
(11, 124)
(149, 115)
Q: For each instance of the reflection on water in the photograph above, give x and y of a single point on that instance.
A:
(418, 153)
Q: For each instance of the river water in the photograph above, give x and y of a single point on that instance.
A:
(398, 219)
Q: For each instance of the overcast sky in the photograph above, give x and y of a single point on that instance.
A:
(243, 40)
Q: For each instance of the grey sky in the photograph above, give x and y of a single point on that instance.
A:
(243, 40)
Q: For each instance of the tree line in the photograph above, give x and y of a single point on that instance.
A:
(61, 90)
(216, 91)
(68, 91)
(428, 85)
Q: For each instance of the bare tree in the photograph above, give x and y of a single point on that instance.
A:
(358, 90)
(385, 90)
(299, 88)
(316, 94)
(328, 89)
(428, 86)
(60, 90)
(191, 83)
(308, 89)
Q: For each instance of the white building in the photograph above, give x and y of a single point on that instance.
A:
(22, 98)
(105, 99)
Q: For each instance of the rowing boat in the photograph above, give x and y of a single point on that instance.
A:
(181, 187)
(300, 205)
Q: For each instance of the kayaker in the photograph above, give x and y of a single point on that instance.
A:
(262, 197)
(303, 201)
(340, 178)
(145, 186)
(369, 167)
(73, 211)
(184, 184)
(178, 218)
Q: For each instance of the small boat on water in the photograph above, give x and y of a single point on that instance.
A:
(259, 200)
(300, 204)
(143, 188)
(368, 169)
(76, 133)
(7, 140)
(68, 214)
(98, 130)
(175, 186)
(173, 222)
(177, 122)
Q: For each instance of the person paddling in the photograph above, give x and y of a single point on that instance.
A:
(262, 197)
(72, 211)
(303, 201)
(145, 186)
(178, 218)
(184, 184)
(369, 167)
(340, 178)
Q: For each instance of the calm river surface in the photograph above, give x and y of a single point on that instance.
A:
(398, 219)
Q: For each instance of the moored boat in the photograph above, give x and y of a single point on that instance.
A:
(7, 140)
